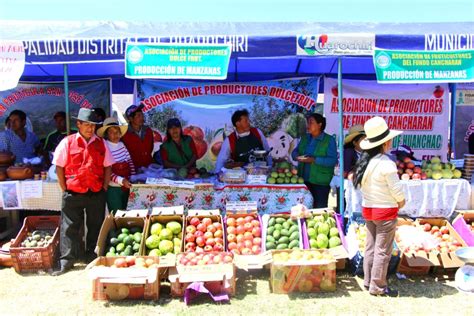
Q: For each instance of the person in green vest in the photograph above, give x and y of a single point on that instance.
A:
(316, 154)
(178, 150)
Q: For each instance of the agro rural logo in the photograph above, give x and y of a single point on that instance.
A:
(383, 60)
(312, 44)
(135, 55)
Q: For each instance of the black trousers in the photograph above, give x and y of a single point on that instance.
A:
(72, 218)
(320, 194)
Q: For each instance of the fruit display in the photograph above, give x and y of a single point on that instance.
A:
(426, 238)
(361, 234)
(284, 173)
(282, 233)
(303, 271)
(38, 238)
(244, 235)
(133, 262)
(193, 173)
(302, 256)
(200, 259)
(429, 169)
(164, 238)
(204, 234)
(124, 242)
(322, 232)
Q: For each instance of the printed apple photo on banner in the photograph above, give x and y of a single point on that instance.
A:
(277, 108)
(420, 111)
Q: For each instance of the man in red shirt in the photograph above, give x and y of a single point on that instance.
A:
(83, 165)
(139, 138)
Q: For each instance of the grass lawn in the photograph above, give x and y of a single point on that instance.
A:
(70, 294)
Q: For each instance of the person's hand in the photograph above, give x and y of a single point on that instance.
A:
(401, 204)
(305, 159)
(126, 184)
(105, 186)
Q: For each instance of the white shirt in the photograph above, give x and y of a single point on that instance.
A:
(225, 154)
(380, 185)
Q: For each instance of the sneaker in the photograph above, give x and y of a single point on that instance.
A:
(387, 292)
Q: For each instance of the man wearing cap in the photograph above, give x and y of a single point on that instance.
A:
(54, 138)
(83, 165)
(139, 138)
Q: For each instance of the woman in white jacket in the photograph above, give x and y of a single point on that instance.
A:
(382, 193)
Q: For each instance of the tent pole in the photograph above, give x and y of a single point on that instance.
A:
(66, 96)
(341, 137)
(453, 120)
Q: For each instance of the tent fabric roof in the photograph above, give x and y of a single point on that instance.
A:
(268, 50)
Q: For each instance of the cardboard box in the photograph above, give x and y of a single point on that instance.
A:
(248, 262)
(217, 278)
(340, 252)
(214, 215)
(111, 222)
(110, 283)
(415, 264)
(448, 260)
(303, 276)
(265, 220)
(163, 216)
(462, 224)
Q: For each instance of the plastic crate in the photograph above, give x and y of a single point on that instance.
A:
(37, 258)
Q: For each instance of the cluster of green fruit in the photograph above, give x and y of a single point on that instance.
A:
(322, 232)
(437, 170)
(124, 242)
(39, 238)
(164, 239)
(284, 173)
(282, 233)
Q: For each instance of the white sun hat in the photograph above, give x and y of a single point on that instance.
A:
(377, 133)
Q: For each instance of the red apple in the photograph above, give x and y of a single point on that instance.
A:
(183, 261)
(240, 221)
(190, 246)
(216, 148)
(439, 91)
(231, 238)
(444, 230)
(208, 235)
(257, 241)
(218, 247)
(424, 176)
(219, 240)
(416, 176)
(232, 246)
(231, 230)
(189, 237)
(256, 249)
(248, 227)
(240, 238)
(217, 225)
(405, 176)
(240, 229)
(199, 233)
(130, 260)
(210, 242)
(211, 229)
(248, 236)
(208, 248)
(407, 160)
(207, 221)
(202, 227)
(199, 249)
(194, 221)
(249, 219)
(407, 171)
(427, 227)
(200, 241)
(246, 251)
(417, 170)
(434, 229)
(248, 244)
(410, 165)
(256, 232)
(195, 132)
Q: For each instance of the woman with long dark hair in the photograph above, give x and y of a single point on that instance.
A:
(316, 154)
(178, 150)
(377, 177)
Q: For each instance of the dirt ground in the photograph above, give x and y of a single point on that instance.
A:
(70, 294)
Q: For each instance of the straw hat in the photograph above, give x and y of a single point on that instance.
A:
(377, 133)
(111, 122)
(354, 131)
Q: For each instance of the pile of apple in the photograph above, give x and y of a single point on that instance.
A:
(134, 262)
(203, 235)
(407, 170)
(447, 243)
(201, 259)
(244, 235)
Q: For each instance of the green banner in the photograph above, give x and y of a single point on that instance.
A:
(423, 66)
(175, 61)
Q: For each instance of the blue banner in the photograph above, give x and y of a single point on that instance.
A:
(277, 108)
(41, 100)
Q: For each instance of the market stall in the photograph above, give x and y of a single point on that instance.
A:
(427, 198)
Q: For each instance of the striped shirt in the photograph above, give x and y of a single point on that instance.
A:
(10, 141)
(120, 154)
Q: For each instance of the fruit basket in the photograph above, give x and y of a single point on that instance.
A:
(31, 257)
